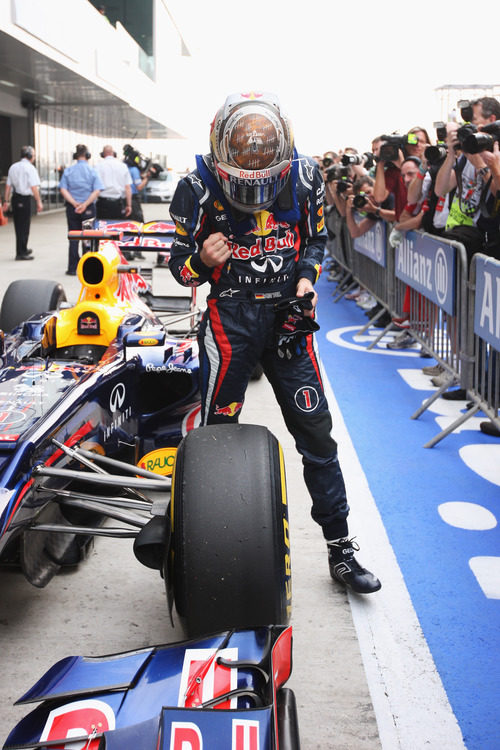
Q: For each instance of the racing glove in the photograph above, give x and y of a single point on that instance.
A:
(292, 327)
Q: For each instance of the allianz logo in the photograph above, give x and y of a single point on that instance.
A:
(430, 273)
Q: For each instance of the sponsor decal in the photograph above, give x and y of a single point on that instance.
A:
(195, 180)
(176, 218)
(187, 273)
(255, 175)
(320, 210)
(218, 205)
(487, 301)
(87, 717)
(428, 266)
(88, 324)
(266, 223)
(171, 367)
(230, 410)
(237, 734)
(307, 398)
(309, 169)
(373, 243)
(180, 229)
(158, 226)
(203, 678)
(117, 398)
(261, 246)
(320, 225)
(274, 262)
(116, 401)
(160, 461)
(148, 342)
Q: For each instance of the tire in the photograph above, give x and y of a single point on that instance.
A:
(231, 549)
(27, 297)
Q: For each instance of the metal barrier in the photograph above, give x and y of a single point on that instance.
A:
(446, 317)
(435, 271)
(481, 364)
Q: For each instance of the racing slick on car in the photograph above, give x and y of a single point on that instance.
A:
(249, 221)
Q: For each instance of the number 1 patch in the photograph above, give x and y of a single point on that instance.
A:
(307, 398)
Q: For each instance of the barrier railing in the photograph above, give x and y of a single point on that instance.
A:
(456, 322)
(481, 365)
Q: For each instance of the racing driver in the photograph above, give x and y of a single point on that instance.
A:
(249, 221)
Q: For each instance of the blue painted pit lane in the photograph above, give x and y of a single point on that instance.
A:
(440, 506)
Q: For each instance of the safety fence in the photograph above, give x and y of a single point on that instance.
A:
(454, 312)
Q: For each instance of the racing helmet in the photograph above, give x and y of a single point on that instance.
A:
(251, 143)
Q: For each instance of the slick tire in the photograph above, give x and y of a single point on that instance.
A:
(27, 297)
(231, 549)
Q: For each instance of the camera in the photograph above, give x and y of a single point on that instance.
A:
(483, 140)
(336, 172)
(436, 154)
(326, 162)
(393, 144)
(343, 184)
(135, 159)
(441, 131)
(466, 111)
(366, 160)
(464, 132)
(359, 200)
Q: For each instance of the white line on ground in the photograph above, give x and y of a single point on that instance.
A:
(409, 699)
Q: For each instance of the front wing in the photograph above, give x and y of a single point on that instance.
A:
(223, 691)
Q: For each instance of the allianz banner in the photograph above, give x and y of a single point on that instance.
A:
(487, 304)
(373, 243)
(427, 264)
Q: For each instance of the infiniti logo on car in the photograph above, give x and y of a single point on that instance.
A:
(117, 397)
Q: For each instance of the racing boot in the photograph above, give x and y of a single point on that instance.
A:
(345, 568)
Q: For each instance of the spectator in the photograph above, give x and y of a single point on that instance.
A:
(23, 186)
(79, 186)
(370, 211)
(115, 198)
(361, 203)
(469, 177)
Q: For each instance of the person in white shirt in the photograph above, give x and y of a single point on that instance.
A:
(115, 200)
(23, 185)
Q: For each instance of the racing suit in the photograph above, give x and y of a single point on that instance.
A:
(270, 251)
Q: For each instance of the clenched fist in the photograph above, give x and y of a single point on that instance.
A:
(215, 250)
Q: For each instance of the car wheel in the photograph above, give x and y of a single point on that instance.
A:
(231, 550)
(27, 297)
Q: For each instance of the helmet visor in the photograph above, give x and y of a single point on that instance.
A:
(251, 190)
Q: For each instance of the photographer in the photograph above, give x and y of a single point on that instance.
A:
(492, 159)
(394, 150)
(468, 176)
(423, 201)
(361, 201)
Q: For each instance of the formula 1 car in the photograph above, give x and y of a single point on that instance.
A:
(98, 402)
(224, 691)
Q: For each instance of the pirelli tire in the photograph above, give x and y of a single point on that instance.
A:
(26, 297)
(231, 548)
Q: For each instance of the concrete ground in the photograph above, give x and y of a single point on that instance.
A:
(111, 603)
